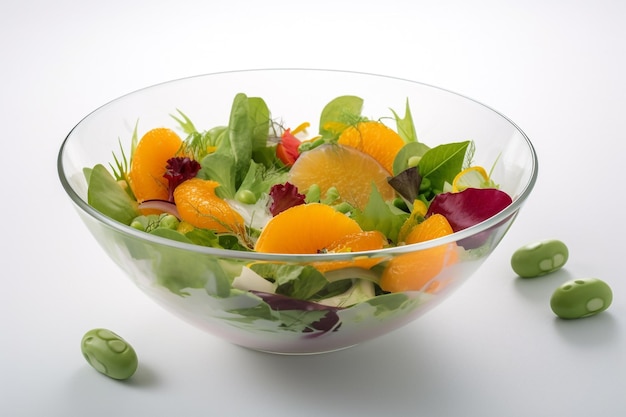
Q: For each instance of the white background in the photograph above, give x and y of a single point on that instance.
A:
(494, 348)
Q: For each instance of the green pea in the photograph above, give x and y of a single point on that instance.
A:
(413, 161)
(245, 197)
(109, 354)
(581, 298)
(143, 222)
(332, 195)
(343, 207)
(313, 194)
(539, 258)
(168, 221)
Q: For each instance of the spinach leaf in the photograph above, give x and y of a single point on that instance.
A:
(441, 163)
(259, 118)
(105, 195)
(231, 164)
(239, 137)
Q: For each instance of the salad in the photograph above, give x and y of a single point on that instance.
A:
(258, 184)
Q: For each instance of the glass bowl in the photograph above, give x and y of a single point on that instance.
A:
(196, 282)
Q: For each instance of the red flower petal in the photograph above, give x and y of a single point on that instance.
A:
(287, 149)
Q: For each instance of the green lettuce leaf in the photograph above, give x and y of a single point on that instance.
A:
(296, 281)
(108, 197)
(381, 215)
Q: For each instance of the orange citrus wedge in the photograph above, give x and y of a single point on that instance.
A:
(199, 206)
(375, 139)
(414, 271)
(318, 228)
(354, 242)
(149, 163)
(305, 228)
(349, 170)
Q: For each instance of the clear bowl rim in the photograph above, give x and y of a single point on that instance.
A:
(495, 220)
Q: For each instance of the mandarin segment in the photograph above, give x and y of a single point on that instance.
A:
(349, 170)
(375, 139)
(305, 229)
(199, 206)
(414, 271)
(432, 227)
(355, 242)
(149, 163)
(358, 242)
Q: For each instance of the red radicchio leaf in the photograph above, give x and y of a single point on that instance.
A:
(178, 170)
(470, 206)
(330, 322)
(407, 183)
(283, 197)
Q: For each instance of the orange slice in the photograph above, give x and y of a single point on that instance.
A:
(414, 271)
(375, 139)
(354, 242)
(318, 228)
(349, 170)
(149, 163)
(199, 206)
(306, 228)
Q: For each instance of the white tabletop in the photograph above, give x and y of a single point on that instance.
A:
(556, 68)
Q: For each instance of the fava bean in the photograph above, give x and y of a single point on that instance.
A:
(539, 258)
(581, 298)
(109, 354)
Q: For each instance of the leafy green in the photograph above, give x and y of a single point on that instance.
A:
(262, 317)
(238, 141)
(407, 184)
(259, 119)
(185, 123)
(441, 163)
(170, 234)
(341, 111)
(108, 197)
(233, 164)
(405, 126)
(204, 237)
(121, 167)
(381, 215)
(200, 145)
(260, 178)
(220, 166)
(297, 281)
(410, 152)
